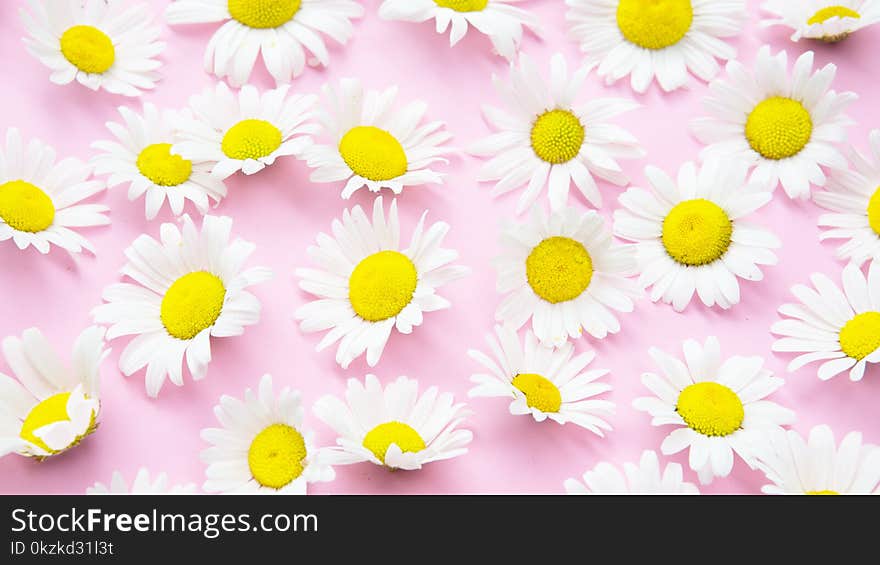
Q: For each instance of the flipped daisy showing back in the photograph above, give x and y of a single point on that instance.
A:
(143, 484)
(826, 20)
(644, 478)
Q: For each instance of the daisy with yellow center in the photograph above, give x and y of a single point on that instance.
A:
(51, 405)
(826, 20)
(545, 382)
(644, 478)
(393, 425)
(783, 124)
(143, 484)
(188, 286)
(718, 407)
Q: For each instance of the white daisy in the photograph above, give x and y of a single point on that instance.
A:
(288, 33)
(142, 158)
(98, 43)
(644, 478)
(717, 408)
(841, 328)
(691, 235)
(367, 285)
(785, 125)
(826, 20)
(51, 405)
(394, 426)
(565, 273)
(665, 39)
(39, 198)
(262, 447)
(375, 143)
(546, 138)
(190, 287)
(545, 382)
(143, 484)
(497, 19)
(246, 131)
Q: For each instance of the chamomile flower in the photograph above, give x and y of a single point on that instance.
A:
(785, 125)
(375, 143)
(143, 484)
(665, 39)
(502, 22)
(691, 235)
(141, 156)
(545, 138)
(100, 44)
(190, 286)
(394, 426)
(244, 132)
(40, 199)
(262, 447)
(644, 478)
(545, 382)
(51, 405)
(718, 408)
(565, 273)
(367, 285)
(826, 20)
(286, 33)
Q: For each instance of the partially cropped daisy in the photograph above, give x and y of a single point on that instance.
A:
(784, 124)
(51, 405)
(143, 484)
(565, 273)
(718, 408)
(502, 22)
(286, 33)
(546, 138)
(141, 157)
(262, 447)
(40, 199)
(100, 44)
(394, 426)
(840, 328)
(376, 143)
(644, 478)
(826, 20)
(367, 285)
(692, 234)
(665, 39)
(244, 131)
(545, 382)
(188, 286)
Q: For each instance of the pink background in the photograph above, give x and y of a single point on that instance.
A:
(281, 212)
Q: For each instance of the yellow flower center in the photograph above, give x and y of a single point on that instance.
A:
(382, 285)
(557, 136)
(559, 269)
(162, 168)
(779, 128)
(540, 392)
(263, 14)
(826, 14)
(402, 435)
(251, 139)
(654, 24)
(711, 409)
(823, 492)
(49, 411)
(276, 456)
(874, 212)
(192, 303)
(463, 5)
(88, 48)
(25, 207)
(697, 232)
(860, 336)
(373, 153)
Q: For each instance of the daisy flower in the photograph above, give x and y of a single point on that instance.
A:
(565, 273)
(826, 20)
(394, 426)
(143, 484)
(376, 144)
(840, 328)
(100, 44)
(644, 478)
(545, 382)
(288, 33)
(665, 39)
(50, 406)
(262, 447)
(497, 19)
(718, 407)
(545, 138)
(246, 131)
(692, 235)
(40, 199)
(190, 286)
(785, 125)
(141, 157)
(367, 286)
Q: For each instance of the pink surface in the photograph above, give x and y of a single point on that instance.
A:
(281, 212)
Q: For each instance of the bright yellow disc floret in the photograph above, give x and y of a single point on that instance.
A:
(382, 285)
(654, 24)
(157, 163)
(380, 438)
(557, 136)
(52, 409)
(540, 392)
(697, 232)
(192, 303)
(25, 207)
(779, 128)
(710, 408)
(277, 456)
(251, 139)
(874, 212)
(263, 14)
(559, 269)
(829, 12)
(373, 153)
(861, 336)
(463, 5)
(88, 48)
